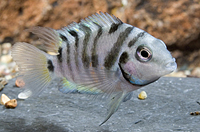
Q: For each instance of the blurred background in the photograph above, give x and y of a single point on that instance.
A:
(176, 22)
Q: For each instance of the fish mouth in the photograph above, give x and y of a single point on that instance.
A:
(171, 66)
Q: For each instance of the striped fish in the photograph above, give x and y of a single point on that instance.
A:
(101, 54)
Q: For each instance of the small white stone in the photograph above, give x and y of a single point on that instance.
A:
(4, 99)
(6, 46)
(124, 2)
(6, 58)
(8, 77)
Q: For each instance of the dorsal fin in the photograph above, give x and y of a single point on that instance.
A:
(102, 19)
(50, 38)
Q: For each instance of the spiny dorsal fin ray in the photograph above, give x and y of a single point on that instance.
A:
(102, 19)
(52, 40)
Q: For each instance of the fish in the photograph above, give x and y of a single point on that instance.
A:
(100, 55)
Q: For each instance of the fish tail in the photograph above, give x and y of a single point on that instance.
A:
(35, 67)
(114, 105)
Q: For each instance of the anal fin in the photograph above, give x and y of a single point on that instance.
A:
(128, 96)
(67, 86)
(70, 87)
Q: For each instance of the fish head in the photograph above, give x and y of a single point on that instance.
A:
(146, 61)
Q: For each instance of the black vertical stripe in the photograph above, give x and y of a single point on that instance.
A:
(69, 60)
(68, 54)
(94, 48)
(50, 66)
(123, 58)
(132, 42)
(85, 56)
(63, 38)
(59, 56)
(75, 35)
(112, 56)
(114, 27)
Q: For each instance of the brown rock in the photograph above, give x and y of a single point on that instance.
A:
(177, 23)
(11, 104)
(20, 14)
(195, 72)
(19, 82)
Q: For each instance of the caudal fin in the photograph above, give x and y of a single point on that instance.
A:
(34, 67)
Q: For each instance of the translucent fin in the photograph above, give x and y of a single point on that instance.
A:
(33, 65)
(114, 105)
(104, 20)
(128, 96)
(49, 37)
(67, 87)
(98, 81)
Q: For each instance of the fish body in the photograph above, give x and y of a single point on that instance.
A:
(101, 54)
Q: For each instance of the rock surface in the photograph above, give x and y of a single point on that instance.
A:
(167, 108)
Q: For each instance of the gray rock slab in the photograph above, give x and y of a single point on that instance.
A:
(167, 108)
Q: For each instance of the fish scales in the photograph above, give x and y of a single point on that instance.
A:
(100, 55)
(96, 48)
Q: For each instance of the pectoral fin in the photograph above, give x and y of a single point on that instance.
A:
(114, 105)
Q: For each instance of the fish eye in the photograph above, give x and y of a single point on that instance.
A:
(143, 54)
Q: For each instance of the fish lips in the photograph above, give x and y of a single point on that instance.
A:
(170, 66)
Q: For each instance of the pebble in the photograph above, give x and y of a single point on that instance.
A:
(19, 82)
(8, 77)
(6, 48)
(4, 99)
(11, 104)
(7, 66)
(3, 82)
(6, 58)
(195, 72)
(195, 113)
(142, 95)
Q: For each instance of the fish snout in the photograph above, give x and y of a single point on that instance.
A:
(171, 65)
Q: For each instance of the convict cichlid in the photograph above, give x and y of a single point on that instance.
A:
(101, 54)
